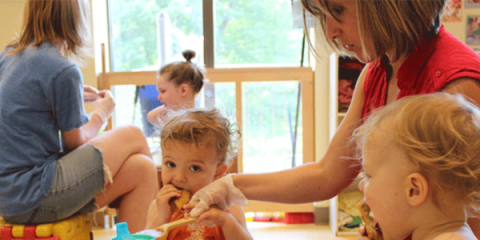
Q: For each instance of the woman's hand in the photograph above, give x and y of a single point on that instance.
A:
(221, 192)
(162, 200)
(90, 94)
(104, 105)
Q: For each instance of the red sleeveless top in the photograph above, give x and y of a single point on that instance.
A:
(434, 63)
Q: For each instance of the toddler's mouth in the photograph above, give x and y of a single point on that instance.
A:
(179, 186)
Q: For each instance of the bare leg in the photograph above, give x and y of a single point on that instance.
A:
(126, 154)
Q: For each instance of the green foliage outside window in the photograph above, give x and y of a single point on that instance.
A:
(246, 31)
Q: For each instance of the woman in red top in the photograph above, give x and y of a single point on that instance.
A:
(407, 51)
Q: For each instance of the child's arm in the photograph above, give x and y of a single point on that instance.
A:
(152, 116)
(160, 210)
(233, 222)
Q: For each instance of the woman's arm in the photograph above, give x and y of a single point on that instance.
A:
(470, 88)
(79, 136)
(314, 181)
(307, 183)
(104, 106)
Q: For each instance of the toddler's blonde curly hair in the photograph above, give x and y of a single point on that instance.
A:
(204, 128)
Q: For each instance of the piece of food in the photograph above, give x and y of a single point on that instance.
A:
(183, 199)
(368, 221)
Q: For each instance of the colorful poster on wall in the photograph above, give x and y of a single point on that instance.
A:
(453, 11)
(472, 4)
(473, 30)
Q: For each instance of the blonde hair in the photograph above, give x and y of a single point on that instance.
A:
(204, 128)
(53, 20)
(440, 133)
(393, 26)
(185, 72)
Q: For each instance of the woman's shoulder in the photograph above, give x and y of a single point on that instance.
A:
(450, 51)
(45, 60)
(455, 236)
(47, 52)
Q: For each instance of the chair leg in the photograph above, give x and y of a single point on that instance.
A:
(111, 214)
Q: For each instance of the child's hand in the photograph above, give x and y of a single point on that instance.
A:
(363, 234)
(214, 216)
(163, 201)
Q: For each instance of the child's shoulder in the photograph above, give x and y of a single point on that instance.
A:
(455, 236)
(235, 209)
(237, 212)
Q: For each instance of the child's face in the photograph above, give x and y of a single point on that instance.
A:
(169, 93)
(189, 167)
(386, 169)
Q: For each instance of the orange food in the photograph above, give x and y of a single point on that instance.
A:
(368, 221)
(183, 199)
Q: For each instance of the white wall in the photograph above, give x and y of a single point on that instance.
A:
(459, 29)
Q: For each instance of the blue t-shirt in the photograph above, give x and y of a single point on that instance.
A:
(41, 93)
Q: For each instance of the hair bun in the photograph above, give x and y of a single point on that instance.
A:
(188, 55)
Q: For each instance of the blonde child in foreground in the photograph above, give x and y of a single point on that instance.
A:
(178, 83)
(421, 161)
(197, 147)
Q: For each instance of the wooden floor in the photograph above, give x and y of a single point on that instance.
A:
(264, 231)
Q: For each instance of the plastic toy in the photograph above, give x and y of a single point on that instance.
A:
(124, 234)
(74, 228)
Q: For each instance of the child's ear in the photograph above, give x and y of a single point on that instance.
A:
(221, 170)
(417, 189)
(184, 89)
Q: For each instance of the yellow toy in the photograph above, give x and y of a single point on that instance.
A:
(74, 228)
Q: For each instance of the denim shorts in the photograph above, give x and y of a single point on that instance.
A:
(79, 176)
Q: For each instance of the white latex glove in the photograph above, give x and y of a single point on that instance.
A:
(221, 192)
(90, 94)
(104, 105)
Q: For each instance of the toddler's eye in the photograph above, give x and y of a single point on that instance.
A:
(337, 10)
(170, 164)
(195, 168)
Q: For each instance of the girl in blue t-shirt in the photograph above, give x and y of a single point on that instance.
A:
(45, 179)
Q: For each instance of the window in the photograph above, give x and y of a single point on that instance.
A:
(145, 34)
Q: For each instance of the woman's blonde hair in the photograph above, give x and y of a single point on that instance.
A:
(56, 20)
(185, 72)
(204, 128)
(393, 26)
(440, 133)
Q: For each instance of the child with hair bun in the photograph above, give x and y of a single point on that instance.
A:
(198, 146)
(178, 83)
(421, 164)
